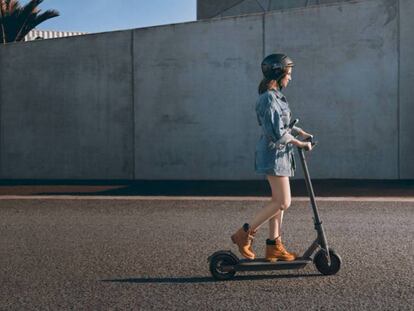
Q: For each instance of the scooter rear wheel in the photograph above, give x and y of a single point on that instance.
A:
(217, 263)
(321, 262)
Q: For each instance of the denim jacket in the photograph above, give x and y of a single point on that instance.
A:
(274, 153)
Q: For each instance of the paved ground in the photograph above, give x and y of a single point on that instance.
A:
(143, 254)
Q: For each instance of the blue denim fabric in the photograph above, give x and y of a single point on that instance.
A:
(274, 153)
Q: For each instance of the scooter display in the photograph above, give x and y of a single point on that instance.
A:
(224, 264)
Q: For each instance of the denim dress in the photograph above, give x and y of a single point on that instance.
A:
(274, 153)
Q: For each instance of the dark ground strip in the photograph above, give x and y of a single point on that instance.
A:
(324, 188)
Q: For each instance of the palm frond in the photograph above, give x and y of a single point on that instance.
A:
(35, 20)
(16, 20)
(3, 12)
(30, 6)
(25, 15)
(13, 5)
(3, 6)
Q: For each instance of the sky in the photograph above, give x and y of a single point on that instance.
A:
(108, 15)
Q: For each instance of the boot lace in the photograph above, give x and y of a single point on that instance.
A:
(282, 248)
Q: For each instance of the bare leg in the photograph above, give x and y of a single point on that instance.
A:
(280, 201)
(275, 225)
(275, 222)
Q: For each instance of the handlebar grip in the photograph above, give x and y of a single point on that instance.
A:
(310, 140)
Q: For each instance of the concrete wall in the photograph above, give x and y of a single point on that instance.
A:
(208, 9)
(219, 8)
(194, 96)
(177, 101)
(406, 90)
(66, 108)
(346, 83)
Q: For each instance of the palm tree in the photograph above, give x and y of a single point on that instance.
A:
(16, 20)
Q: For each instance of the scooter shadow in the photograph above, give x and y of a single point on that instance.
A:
(184, 280)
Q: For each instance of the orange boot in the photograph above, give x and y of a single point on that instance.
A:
(276, 251)
(243, 238)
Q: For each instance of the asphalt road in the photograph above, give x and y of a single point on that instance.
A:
(123, 254)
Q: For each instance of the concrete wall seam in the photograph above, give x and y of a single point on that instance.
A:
(264, 35)
(398, 85)
(133, 105)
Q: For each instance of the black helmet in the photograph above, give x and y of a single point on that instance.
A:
(274, 66)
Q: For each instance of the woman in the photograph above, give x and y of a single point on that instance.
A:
(273, 157)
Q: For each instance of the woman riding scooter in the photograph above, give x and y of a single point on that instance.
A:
(273, 158)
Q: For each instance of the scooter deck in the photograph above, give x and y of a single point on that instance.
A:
(261, 264)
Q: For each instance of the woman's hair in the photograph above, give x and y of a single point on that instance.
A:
(264, 85)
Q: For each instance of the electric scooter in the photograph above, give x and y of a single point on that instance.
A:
(224, 264)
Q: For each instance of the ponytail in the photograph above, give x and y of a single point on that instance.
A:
(264, 85)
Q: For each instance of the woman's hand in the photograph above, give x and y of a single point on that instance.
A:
(302, 144)
(304, 134)
(306, 145)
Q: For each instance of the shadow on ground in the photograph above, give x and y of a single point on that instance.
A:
(209, 279)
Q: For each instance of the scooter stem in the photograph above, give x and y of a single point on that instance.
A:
(318, 224)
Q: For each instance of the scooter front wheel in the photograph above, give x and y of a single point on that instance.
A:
(220, 265)
(321, 262)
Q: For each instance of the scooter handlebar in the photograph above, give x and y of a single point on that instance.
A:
(312, 141)
(292, 124)
(309, 139)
